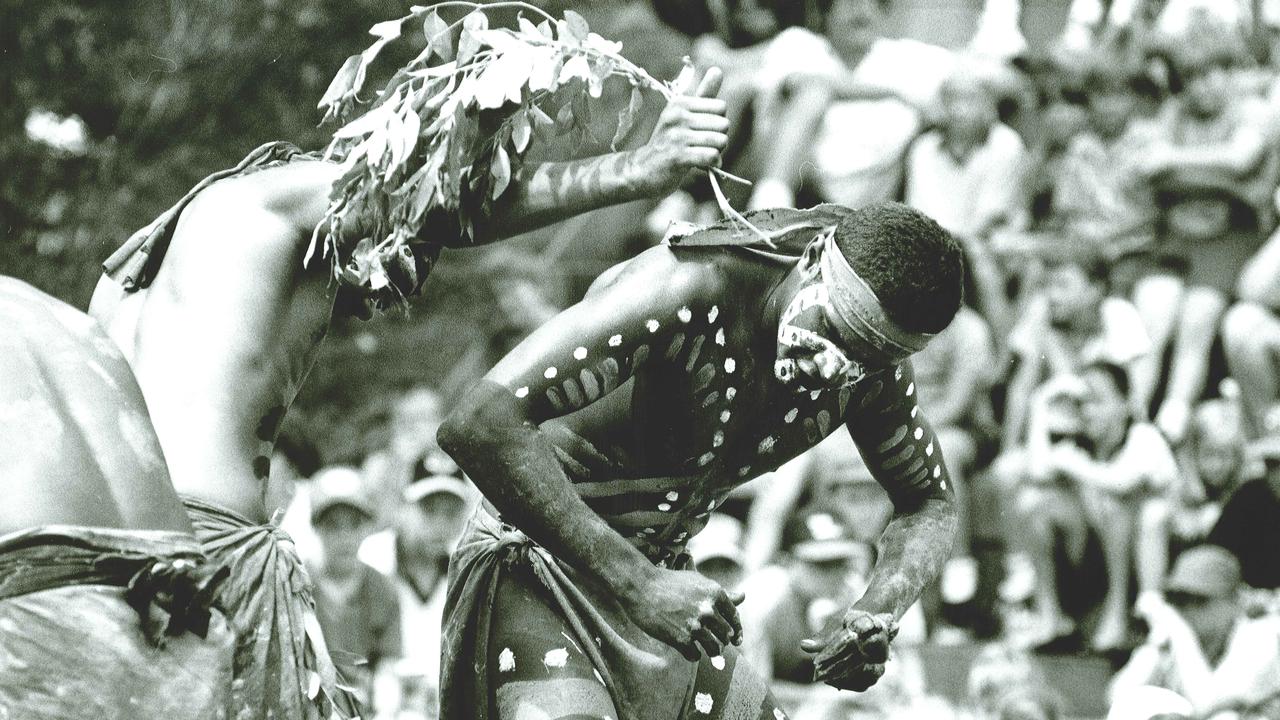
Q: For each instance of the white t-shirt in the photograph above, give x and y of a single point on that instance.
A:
(962, 196)
(859, 150)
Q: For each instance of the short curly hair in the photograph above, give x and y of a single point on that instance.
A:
(914, 266)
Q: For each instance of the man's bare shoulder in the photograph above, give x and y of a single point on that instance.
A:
(296, 193)
(689, 274)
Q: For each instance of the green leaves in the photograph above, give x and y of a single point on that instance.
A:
(450, 130)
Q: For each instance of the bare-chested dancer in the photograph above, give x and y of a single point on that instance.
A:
(606, 439)
(220, 321)
(104, 591)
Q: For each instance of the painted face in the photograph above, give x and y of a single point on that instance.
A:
(810, 355)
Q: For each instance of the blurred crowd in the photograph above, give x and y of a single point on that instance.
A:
(1108, 400)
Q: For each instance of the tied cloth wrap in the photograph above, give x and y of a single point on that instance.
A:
(135, 263)
(282, 666)
(106, 623)
(853, 308)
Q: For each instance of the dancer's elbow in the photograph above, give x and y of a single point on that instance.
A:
(477, 422)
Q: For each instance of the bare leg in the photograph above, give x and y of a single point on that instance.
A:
(1044, 519)
(1152, 543)
(1202, 309)
(1252, 337)
(1158, 298)
(1114, 519)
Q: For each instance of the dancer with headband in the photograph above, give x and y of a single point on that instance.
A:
(606, 439)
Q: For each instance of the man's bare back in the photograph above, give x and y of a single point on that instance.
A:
(76, 445)
(223, 338)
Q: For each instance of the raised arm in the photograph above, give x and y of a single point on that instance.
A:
(903, 455)
(690, 134)
(584, 354)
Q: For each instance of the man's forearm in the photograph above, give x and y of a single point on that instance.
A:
(912, 551)
(515, 466)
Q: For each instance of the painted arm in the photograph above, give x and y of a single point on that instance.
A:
(586, 353)
(903, 455)
(690, 134)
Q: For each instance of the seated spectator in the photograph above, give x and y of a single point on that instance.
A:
(716, 551)
(1202, 646)
(411, 452)
(1211, 468)
(355, 604)
(1099, 196)
(1249, 526)
(415, 555)
(1251, 337)
(845, 105)
(1069, 322)
(826, 568)
(966, 173)
(1087, 488)
(1214, 171)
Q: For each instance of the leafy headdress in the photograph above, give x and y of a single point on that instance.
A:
(444, 138)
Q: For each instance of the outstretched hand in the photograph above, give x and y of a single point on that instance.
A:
(853, 656)
(687, 611)
(690, 134)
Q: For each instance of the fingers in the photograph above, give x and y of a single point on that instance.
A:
(720, 626)
(812, 645)
(684, 81)
(710, 85)
(702, 138)
(727, 604)
(708, 122)
(708, 640)
(735, 596)
(858, 680)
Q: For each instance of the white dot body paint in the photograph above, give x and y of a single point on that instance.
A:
(929, 450)
(601, 679)
(897, 373)
(522, 391)
(718, 439)
(937, 471)
(550, 373)
(720, 337)
(580, 354)
(706, 459)
(943, 484)
(815, 394)
(730, 393)
(664, 507)
(778, 714)
(557, 658)
(685, 314)
(703, 703)
(911, 389)
(713, 314)
(766, 445)
(744, 471)
(790, 417)
(915, 411)
(711, 506)
(724, 416)
(673, 496)
(652, 325)
(506, 660)
(730, 365)
(919, 433)
(717, 662)
(615, 340)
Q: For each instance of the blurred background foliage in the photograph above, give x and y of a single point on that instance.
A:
(111, 111)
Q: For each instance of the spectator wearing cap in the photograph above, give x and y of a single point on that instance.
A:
(1211, 466)
(1203, 647)
(1251, 338)
(1214, 171)
(1249, 526)
(716, 551)
(414, 553)
(355, 604)
(1087, 488)
(825, 568)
